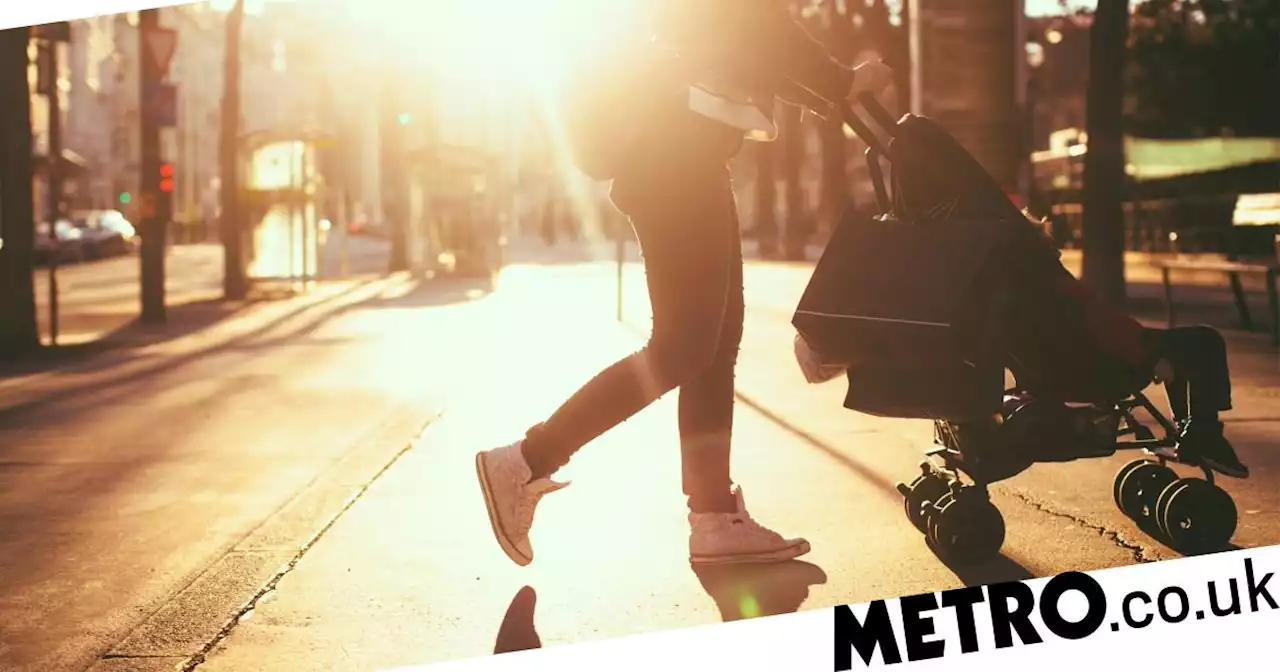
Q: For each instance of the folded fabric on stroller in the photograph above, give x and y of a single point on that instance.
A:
(926, 306)
(919, 312)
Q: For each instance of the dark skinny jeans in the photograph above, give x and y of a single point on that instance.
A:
(1201, 385)
(681, 206)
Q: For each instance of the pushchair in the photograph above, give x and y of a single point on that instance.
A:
(933, 303)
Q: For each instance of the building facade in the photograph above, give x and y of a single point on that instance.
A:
(192, 145)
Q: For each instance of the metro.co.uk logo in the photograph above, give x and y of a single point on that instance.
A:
(1010, 607)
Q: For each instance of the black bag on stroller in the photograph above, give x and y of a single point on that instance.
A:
(926, 305)
(914, 301)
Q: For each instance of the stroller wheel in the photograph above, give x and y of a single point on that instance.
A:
(921, 495)
(967, 529)
(1196, 516)
(1139, 489)
(1120, 476)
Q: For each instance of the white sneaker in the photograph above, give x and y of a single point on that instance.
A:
(511, 498)
(734, 538)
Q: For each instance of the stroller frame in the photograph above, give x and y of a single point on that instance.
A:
(950, 502)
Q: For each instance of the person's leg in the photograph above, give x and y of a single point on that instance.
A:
(680, 221)
(1202, 378)
(705, 407)
(1199, 390)
(721, 529)
(688, 268)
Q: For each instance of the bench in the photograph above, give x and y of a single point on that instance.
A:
(1251, 210)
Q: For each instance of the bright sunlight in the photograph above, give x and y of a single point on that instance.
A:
(495, 62)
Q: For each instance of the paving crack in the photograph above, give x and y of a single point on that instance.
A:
(1138, 551)
(199, 657)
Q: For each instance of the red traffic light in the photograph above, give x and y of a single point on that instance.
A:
(166, 185)
(166, 170)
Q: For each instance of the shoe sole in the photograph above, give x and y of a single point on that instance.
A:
(487, 491)
(1224, 469)
(781, 555)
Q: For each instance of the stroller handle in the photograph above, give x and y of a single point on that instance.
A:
(877, 111)
(875, 148)
(862, 130)
(879, 114)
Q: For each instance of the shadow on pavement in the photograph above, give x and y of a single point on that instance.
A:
(1000, 569)
(517, 632)
(443, 290)
(184, 320)
(21, 414)
(29, 413)
(1153, 532)
(858, 468)
(739, 591)
(751, 591)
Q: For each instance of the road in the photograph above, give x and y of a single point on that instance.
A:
(122, 486)
(143, 514)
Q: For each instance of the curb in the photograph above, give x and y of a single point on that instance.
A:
(232, 584)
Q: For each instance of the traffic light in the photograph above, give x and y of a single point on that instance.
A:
(125, 197)
(166, 177)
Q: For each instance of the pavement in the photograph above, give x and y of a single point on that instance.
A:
(283, 511)
(149, 491)
(398, 583)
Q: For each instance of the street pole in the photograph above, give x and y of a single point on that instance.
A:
(234, 284)
(47, 64)
(19, 332)
(156, 205)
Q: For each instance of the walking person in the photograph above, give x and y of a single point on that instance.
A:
(673, 184)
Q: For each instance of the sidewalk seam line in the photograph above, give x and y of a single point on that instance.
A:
(198, 658)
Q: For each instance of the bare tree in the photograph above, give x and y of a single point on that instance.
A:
(1104, 173)
(18, 328)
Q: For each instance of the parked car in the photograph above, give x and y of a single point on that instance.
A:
(116, 222)
(106, 233)
(66, 245)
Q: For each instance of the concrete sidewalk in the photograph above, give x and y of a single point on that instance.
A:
(411, 574)
(148, 493)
